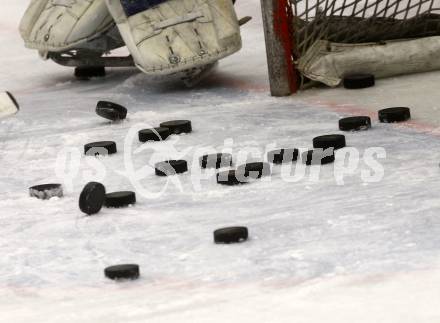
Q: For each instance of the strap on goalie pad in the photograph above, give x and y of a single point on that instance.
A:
(59, 25)
(168, 36)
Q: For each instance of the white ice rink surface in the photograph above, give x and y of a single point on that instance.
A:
(318, 251)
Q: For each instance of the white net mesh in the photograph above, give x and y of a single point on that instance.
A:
(361, 21)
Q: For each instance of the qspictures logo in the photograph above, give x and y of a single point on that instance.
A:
(138, 163)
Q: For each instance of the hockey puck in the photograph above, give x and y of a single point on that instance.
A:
(129, 271)
(46, 191)
(171, 167)
(100, 148)
(155, 134)
(111, 111)
(120, 199)
(177, 126)
(318, 157)
(216, 161)
(231, 235)
(280, 156)
(358, 81)
(254, 170)
(92, 198)
(397, 114)
(329, 141)
(230, 178)
(355, 123)
(87, 72)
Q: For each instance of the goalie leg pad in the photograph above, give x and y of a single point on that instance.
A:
(59, 25)
(169, 36)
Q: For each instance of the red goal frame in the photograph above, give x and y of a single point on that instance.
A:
(278, 33)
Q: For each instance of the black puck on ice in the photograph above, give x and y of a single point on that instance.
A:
(92, 198)
(46, 191)
(280, 156)
(100, 148)
(87, 72)
(397, 114)
(318, 157)
(111, 111)
(177, 126)
(154, 134)
(254, 170)
(358, 81)
(216, 160)
(171, 167)
(329, 141)
(355, 123)
(128, 271)
(230, 177)
(231, 235)
(120, 199)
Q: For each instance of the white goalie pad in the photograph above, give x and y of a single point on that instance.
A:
(168, 36)
(59, 25)
(328, 62)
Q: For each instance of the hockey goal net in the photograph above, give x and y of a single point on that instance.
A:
(323, 40)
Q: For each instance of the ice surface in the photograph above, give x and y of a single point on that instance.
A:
(318, 251)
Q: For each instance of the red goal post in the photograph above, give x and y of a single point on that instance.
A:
(277, 22)
(323, 40)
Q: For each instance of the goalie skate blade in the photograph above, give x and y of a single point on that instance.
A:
(254, 170)
(177, 126)
(92, 198)
(231, 235)
(358, 81)
(243, 21)
(155, 134)
(317, 157)
(171, 167)
(230, 178)
(46, 191)
(281, 156)
(216, 161)
(329, 141)
(128, 271)
(86, 73)
(111, 111)
(8, 105)
(397, 114)
(196, 75)
(120, 199)
(100, 148)
(355, 123)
